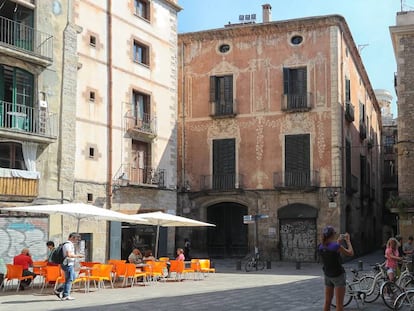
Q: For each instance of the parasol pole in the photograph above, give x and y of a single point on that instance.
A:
(156, 241)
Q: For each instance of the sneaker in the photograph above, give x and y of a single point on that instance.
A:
(68, 298)
(59, 294)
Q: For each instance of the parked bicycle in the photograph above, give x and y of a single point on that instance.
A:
(390, 291)
(405, 301)
(364, 288)
(254, 262)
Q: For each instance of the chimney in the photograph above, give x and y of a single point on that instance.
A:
(267, 13)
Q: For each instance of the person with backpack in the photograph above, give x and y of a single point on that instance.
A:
(68, 265)
(50, 249)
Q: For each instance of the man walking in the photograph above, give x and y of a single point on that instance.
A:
(68, 266)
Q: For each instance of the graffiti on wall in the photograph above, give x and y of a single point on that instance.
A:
(17, 233)
(298, 239)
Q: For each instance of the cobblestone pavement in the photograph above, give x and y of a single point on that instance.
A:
(284, 287)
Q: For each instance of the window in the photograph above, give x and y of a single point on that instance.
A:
(90, 197)
(224, 48)
(221, 95)
(295, 88)
(142, 8)
(296, 40)
(224, 164)
(297, 160)
(141, 106)
(348, 167)
(389, 144)
(91, 152)
(141, 53)
(11, 156)
(347, 90)
(92, 96)
(92, 41)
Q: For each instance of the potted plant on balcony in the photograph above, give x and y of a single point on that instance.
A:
(396, 204)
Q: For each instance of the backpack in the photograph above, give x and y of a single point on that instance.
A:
(57, 255)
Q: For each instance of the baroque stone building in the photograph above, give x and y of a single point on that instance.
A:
(277, 120)
(402, 35)
(91, 117)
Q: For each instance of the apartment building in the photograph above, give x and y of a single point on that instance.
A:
(279, 135)
(110, 82)
(402, 35)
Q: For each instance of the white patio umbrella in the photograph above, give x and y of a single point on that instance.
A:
(77, 210)
(161, 219)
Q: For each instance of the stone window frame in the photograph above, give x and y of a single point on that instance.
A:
(220, 45)
(136, 42)
(87, 40)
(87, 96)
(147, 17)
(96, 154)
(294, 35)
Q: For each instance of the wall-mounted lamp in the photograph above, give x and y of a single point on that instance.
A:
(123, 180)
(331, 194)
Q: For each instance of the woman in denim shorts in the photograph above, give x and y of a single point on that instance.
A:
(330, 251)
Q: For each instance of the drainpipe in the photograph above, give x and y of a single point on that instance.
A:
(109, 98)
(183, 151)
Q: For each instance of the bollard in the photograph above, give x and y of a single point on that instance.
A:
(360, 265)
(297, 265)
(268, 264)
(238, 265)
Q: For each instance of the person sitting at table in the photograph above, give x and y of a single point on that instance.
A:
(135, 256)
(50, 249)
(25, 259)
(148, 255)
(180, 254)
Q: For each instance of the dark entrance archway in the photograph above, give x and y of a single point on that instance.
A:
(229, 239)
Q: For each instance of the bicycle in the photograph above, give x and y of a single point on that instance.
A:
(254, 261)
(404, 301)
(391, 290)
(364, 288)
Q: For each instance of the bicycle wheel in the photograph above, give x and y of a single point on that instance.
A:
(347, 299)
(389, 293)
(404, 301)
(371, 289)
(260, 264)
(250, 265)
(407, 282)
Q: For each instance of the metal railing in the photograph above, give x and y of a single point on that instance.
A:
(21, 37)
(297, 101)
(221, 182)
(223, 108)
(296, 179)
(145, 124)
(23, 118)
(131, 174)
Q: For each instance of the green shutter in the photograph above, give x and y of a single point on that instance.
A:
(228, 89)
(286, 79)
(213, 89)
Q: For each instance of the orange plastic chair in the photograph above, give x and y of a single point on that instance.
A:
(100, 274)
(14, 272)
(51, 274)
(195, 266)
(156, 270)
(205, 266)
(61, 279)
(118, 267)
(132, 274)
(88, 264)
(164, 259)
(39, 270)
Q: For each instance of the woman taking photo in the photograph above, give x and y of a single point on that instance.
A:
(330, 251)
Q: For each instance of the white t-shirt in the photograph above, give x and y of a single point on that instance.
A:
(68, 247)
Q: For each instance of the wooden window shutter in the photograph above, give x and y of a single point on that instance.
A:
(297, 152)
(228, 88)
(286, 79)
(348, 90)
(301, 81)
(213, 96)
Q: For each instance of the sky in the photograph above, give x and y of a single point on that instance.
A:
(368, 20)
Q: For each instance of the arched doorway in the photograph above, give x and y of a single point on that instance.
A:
(229, 239)
(298, 233)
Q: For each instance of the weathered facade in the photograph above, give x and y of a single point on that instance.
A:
(277, 120)
(402, 35)
(111, 84)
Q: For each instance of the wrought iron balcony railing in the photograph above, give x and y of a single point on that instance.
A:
(24, 38)
(221, 182)
(21, 118)
(145, 125)
(297, 102)
(131, 174)
(223, 108)
(296, 179)
(362, 130)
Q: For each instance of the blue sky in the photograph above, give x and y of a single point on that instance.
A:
(369, 21)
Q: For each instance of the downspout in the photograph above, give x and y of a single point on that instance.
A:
(183, 150)
(109, 98)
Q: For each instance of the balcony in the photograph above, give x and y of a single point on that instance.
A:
(20, 121)
(223, 109)
(362, 130)
(141, 128)
(221, 182)
(297, 102)
(146, 176)
(18, 188)
(296, 179)
(23, 42)
(349, 112)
